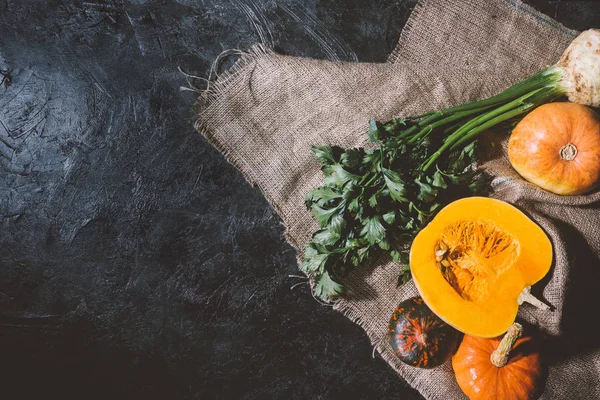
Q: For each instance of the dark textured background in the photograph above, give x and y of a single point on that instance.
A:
(136, 263)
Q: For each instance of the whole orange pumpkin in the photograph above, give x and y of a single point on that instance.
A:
(494, 369)
(557, 147)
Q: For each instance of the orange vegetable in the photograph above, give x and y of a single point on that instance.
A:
(557, 147)
(475, 261)
(494, 369)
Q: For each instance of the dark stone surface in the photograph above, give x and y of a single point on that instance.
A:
(136, 262)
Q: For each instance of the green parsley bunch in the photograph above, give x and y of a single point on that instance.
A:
(376, 200)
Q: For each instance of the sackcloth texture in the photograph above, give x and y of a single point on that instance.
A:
(267, 111)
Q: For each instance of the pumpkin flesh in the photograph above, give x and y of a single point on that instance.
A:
(492, 252)
(557, 147)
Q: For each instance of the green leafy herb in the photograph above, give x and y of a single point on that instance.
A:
(376, 200)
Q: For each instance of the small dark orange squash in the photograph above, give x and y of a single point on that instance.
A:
(419, 337)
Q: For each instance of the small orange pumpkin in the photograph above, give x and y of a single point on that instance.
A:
(557, 147)
(494, 369)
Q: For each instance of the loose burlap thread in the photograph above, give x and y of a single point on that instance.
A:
(266, 112)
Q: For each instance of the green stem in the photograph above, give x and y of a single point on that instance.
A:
(489, 119)
(473, 123)
(534, 99)
(452, 118)
(472, 134)
(550, 76)
(419, 211)
(454, 127)
(431, 118)
(547, 78)
(375, 176)
(487, 116)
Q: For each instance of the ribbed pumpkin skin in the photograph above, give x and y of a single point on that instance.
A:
(419, 337)
(479, 379)
(535, 145)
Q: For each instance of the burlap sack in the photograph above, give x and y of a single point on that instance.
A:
(266, 112)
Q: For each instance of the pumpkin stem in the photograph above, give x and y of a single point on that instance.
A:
(568, 152)
(499, 357)
(527, 297)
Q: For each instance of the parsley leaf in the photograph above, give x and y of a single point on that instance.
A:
(372, 230)
(395, 185)
(326, 288)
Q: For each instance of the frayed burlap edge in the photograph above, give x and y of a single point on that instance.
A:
(395, 55)
(206, 99)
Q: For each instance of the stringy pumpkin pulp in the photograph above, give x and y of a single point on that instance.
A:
(473, 254)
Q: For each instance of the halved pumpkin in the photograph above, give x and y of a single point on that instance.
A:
(475, 261)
